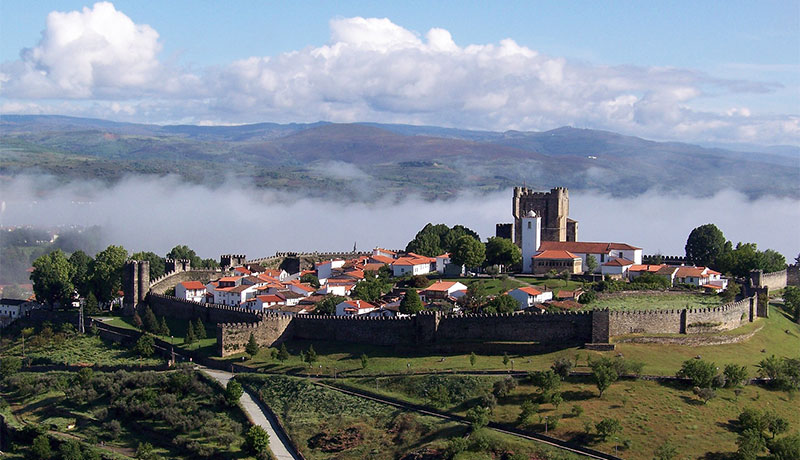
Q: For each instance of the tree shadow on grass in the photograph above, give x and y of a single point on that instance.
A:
(455, 431)
(718, 456)
(692, 401)
(582, 395)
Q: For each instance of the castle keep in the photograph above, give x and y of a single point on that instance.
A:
(552, 207)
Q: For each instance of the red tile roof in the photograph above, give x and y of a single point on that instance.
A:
(193, 285)
(555, 254)
(382, 259)
(585, 247)
(619, 262)
(440, 286)
(530, 291)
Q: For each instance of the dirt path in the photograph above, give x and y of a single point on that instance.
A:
(278, 440)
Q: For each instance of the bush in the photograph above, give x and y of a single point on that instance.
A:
(562, 366)
(257, 441)
(608, 427)
(478, 417)
(502, 388)
(735, 375)
(577, 410)
(700, 372)
(145, 346)
(233, 392)
(9, 366)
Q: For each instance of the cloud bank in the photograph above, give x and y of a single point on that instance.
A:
(98, 62)
(147, 213)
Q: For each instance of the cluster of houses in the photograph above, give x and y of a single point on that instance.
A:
(261, 289)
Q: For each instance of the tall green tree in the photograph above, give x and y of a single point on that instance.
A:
(52, 278)
(434, 240)
(80, 277)
(502, 251)
(591, 263)
(252, 346)
(705, 244)
(468, 252)
(106, 270)
(746, 257)
(501, 304)
(327, 306)
(157, 264)
(411, 303)
(791, 300)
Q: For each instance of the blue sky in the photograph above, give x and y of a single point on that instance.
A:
(692, 71)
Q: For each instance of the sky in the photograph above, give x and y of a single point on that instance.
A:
(704, 72)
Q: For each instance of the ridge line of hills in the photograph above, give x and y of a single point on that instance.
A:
(365, 159)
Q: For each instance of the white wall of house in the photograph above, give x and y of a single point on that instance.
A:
(418, 269)
(526, 300)
(441, 262)
(531, 239)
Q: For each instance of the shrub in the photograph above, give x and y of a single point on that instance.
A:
(577, 410)
(257, 441)
(547, 381)
(735, 375)
(478, 417)
(700, 372)
(9, 366)
(665, 451)
(502, 388)
(562, 366)
(608, 427)
(40, 448)
(233, 391)
(145, 346)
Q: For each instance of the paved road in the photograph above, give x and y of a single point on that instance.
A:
(277, 440)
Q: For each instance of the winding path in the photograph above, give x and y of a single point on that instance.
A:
(278, 443)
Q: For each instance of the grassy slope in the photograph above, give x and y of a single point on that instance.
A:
(54, 410)
(650, 412)
(307, 410)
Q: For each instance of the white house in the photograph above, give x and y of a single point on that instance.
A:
(234, 295)
(261, 302)
(191, 290)
(14, 308)
(337, 287)
(602, 252)
(384, 253)
(324, 269)
(442, 290)
(616, 268)
(304, 290)
(529, 296)
(414, 264)
(390, 310)
(701, 276)
(354, 308)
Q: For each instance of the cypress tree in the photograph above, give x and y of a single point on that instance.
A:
(163, 328)
(190, 337)
(200, 329)
(252, 346)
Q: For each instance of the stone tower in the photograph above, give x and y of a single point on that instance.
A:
(228, 261)
(552, 207)
(135, 284)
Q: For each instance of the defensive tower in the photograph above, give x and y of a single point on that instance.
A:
(552, 207)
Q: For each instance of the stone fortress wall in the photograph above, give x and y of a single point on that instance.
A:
(234, 325)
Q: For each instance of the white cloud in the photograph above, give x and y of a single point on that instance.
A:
(375, 70)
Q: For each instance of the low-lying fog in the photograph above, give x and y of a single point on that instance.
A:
(155, 214)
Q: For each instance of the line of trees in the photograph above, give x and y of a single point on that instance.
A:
(465, 247)
(706, 246)
(57, 277)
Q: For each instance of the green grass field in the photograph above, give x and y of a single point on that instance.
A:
(655, 301)
(75, 349)
(177, 328)
(650, 412)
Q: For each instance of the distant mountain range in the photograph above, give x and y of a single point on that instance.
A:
(365, 160)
